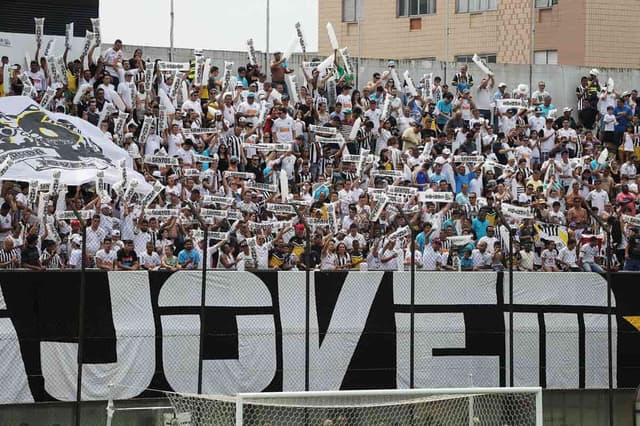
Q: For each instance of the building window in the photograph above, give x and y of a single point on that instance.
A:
(545, 3)
(416, 7)
(475, 6)
(351, 10)
(415, 24)
(489, 58)
(546, 57)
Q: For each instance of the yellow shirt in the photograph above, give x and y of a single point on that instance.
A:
(73, 83)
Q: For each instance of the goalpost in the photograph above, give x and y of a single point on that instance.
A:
(442, 407)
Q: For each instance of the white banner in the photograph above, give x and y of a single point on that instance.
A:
(468, 158)
(517, 211)
(436, 197)
(71, 215)
(162, 213)
(402, 190)
(173, 66)
(216, 199)
(504, 104)
(161, 160)
(631, 220)
(284, 209)
(323, 130)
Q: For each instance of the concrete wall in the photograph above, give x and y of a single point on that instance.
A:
(561, 79)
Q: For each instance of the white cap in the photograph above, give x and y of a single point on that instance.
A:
(446, 151)
(440, 160)
(567, 109)
(594, 71)
(128, 135)
(502, 84)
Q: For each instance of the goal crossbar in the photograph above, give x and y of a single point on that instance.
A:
(472, 406)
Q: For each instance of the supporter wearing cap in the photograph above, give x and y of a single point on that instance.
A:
(250, 109)
(75, 257)
(501, 93)
(566, 115)
(411, 138)
(193, 104)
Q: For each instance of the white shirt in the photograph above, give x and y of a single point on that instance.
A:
(75, 259)
(251, 110)
(431, 258)
(537, 122)
(39, 80)
(140, 240)
(107, 257)
(374, 117)
(349, 239)
(152, 144)
(174, 142)
(192, 105)
(109, 90)
(125, 93)
(283, 128)
(483, 97)
(109, 56)
(262, 255)
(186, 155)
(507, 123)
(345, 100)
(94, 240)
(589, 253)
(609, 122)
(149, 261)
(288, 165)
(568, 256)
(547, 145)
(598, 199)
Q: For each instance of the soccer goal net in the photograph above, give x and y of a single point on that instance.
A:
(441, 407)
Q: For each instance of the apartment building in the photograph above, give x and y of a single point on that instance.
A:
(570, 32)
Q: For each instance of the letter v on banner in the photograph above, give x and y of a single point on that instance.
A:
(345, 328)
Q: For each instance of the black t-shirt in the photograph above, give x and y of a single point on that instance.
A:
(127, 259)
(634, 247)
(30, 256)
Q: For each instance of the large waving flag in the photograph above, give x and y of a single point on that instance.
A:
(40, 143)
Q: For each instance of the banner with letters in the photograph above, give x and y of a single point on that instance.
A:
(143, 332)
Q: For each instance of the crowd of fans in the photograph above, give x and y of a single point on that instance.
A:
(438, 164)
